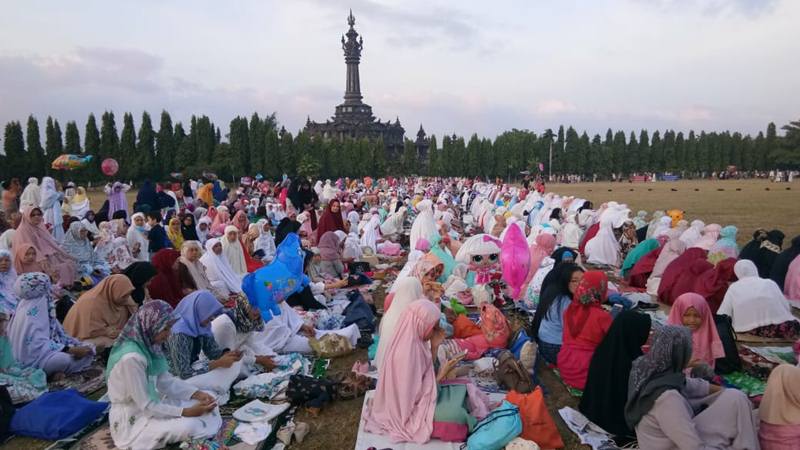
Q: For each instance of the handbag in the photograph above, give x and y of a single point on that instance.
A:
(511, 375)
(56, 415)
(537, 425)
(731, 362)
(497, 429)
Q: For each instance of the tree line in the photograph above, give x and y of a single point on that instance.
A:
(259, 145)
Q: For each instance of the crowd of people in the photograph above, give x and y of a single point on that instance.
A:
(157, 291)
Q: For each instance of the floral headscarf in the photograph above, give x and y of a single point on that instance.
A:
(240, 315)
(138, 337)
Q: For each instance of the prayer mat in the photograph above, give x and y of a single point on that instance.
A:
(572, 391)
(87, 382)
(753, 339)
(777, 355)
(748, 384)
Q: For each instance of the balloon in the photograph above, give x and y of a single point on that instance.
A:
(515, 258)
(109, 166)
(270, 285)
(70, 162)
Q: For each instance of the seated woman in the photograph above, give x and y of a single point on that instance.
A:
(679, 269)
(757, 306)
(118, 256)
(136, 235)
(662, 402)
(192, 334)
(47, 253)
(409, 290)
(726, 246)
(233, 250)
(239, 329)
(37, 338)
(140, 273)
(174, 233)
(24, 384)
(548, 321)
(330, 250)
(265, 242)
(603, 400)
(287, 333)
(637, 253)
(406, 405)
(189, 228)
(203, 229)
(585, 325)
(101, 313)
(149, 407)
(76, 244)
(692, 311)
(780, 410)
(192, 273)
(166, 285)
(440, 246)
(219, 271)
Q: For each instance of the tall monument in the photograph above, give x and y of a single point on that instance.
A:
(353, 118)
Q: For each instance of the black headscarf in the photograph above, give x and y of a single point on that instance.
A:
(301, 194)
(768, 252)
(781, 264)
(102, 215)
(139, 273)
(750, 250)
(285, 226)
(603, 400)
(189, 232)
(554, 292)
(147, 196)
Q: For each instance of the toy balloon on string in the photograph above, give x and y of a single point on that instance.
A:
(109, 166)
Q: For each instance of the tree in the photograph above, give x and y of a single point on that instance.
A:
(91, 138)
(165, 146)
(14, 148)
(656, 153)
(72, 139)
(787, 155)
(36, 157)
(146, 149)
(632, 157)
(128, 156)
(109, 139)
(409, 158)
(771, 146)
(52, 140)
(643, 155)
(670, 164)
(272, 154)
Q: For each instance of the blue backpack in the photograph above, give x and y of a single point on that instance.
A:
(497, 429)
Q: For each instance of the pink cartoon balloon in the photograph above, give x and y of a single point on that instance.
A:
(109, 167)
(515, 259)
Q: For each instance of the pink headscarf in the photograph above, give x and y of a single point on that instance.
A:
(791, 286)
(706, 344)
(47, 249)
(709, 238)
(220, 222)
(543, 246)
(329, 247)
(405, 397)
(423, 245)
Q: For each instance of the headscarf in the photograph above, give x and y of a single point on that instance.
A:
(76, 246)
(240, 316)
(726, 245)
(781, 402)
(590, 293)
(693, 233)
(709, 238)
(233, 251)
(330, 248)
(32, 195)
(284, 228)
(196, 269)
(713, 284)
(768, 252)
(219, 270)
(139, 273)
(658, 371)
(424, 225)
(174, 232)
(606, 391)
(405, 397)
(35, 333)
(8, 299)
(202, 236)
(371, 233)
(7, 239)
(780, 266)
(750, 250)
(672, 250)
(80, 203)
(706, 344)
(651, 228)
(265, 241)
(330, 221)
(138, 236)
(678, 271)
(138, 336)
(791, 284)
(637, 253)
(189, 232)
(754, 302)
(103, 310)
(664, 225)
(220, 221)
(166, 285)
(147, 196)
(51, 207)
(425, 265)
(409, 290)
(195, 308)
(47, 249)
(640, 221)
(240, 222)
(116, 199)
(543, 246)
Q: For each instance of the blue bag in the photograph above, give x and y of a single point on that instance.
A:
(497, 429)
(522, 338)
(56, 415)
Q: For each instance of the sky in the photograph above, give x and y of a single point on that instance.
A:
(453, 66)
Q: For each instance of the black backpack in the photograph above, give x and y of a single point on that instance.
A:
(6, 412)
(731, 362)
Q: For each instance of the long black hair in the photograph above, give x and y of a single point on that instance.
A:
(553, 293)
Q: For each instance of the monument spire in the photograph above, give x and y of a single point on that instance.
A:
(352, 56)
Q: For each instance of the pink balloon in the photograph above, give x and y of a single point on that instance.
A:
(515, 259)
(109, 166)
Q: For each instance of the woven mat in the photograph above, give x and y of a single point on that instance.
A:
(86, 382)
(753, 339)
